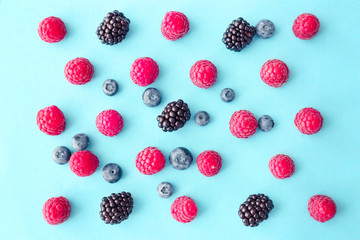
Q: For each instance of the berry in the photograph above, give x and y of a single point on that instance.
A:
(209, 163)
(281, 166)
(150, 161)
(274, 73)
(83, 163)
(80, 141)
(321, 208)
(243, 124)
(238, 35)
(174, 25)
(266, 123)
(144, 71)
(79, 71)
(109, 122)
(184, 209)
(308, 121)
(110, 87)
(227, 94)
(202, 118)
(165, 189)
(265, 29)
(116, 208)
(56, 210)
(51, 120)
(151, 97)
(61, 155)
(111, 172)
(306, 26)
(52, 29)
(180, 158)
(203, 74)
(113, 28)
(174, 116)
(255, 209)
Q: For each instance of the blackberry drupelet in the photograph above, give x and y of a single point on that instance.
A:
(255, 209)
(174, 116)
(113, 28)
(116, 208)
(238, 35)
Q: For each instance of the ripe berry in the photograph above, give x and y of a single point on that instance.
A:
(111, 172)
(184, 209)
(238, 35)
(308, 121)
(203, 74)
(274, 73)
(321, 208)
(110, 87)
(144, 71)
(209, 163)
(165, 189)
(202, 118)
(109, 122)
(243, 124)
(51, 120)
(116, 208)
(255, 209)
(174, 25)
(83, 163)
(306, 26)
(56, 210)
(150, 161)
(265, 29)
(61, 155)
(80, 141)
(266, 123)
(52, 29)
(180, 158)
(79, 71)
(227, 94)
(174, 116)
(113, 28)
(281, 166)
(151, 97)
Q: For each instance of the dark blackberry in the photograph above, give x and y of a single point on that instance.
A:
(116, 208)
(174, 116)
(113, 28)
(255, 209)
(238, 35)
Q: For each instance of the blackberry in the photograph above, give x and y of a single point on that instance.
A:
(116, 208)
(174, 116)
(113, 28)
(255, 209)
(238, 35)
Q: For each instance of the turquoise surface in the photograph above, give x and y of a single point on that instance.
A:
(324, 75)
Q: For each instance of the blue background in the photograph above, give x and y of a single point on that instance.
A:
(324, 75)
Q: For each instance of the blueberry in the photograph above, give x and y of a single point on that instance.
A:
(266, 123)
(110, 87)
(180, 158)
(202, 118)
(265, 28)
(165, 189)
(80, 141)
(111, 172)
(151, 97)
(61, 155)
(227, 94)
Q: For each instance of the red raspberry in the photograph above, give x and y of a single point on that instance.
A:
(144, 71)
(321, 208)
(150, 161)
(56, 210)
(109, 122)
(209, 163)
(174, 25)
(274, 73)
(79, 71)
(184, 209)
(83, 163)
(52, 29)
(203, 74)
(281, 166)
(308, 121)
(243, 124)
(51, 120)
(306, 26)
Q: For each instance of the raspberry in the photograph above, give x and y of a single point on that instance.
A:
(209, 163)
(174, 25)
(243, 124)
(308, 121)
(83, 163)
(109, 122)
(274, 73)
(184, 209)
(150, 161)
(321, 208)
(281, 166)
(51, 120)
(52, 29)
(203, 74)
(144, 71)
(56, 210)
(79, 71)
(306, 26)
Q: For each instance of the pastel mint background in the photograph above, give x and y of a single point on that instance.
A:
(324, 75)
